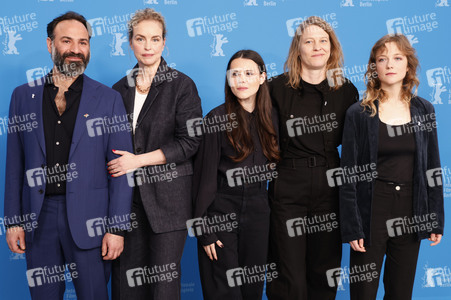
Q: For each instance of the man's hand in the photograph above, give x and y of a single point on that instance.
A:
(112, 246)
(13, 235)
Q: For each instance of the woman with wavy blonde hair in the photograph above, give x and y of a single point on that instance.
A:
(394, 131)
(311, 97)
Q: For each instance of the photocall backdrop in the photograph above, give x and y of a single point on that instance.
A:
(202, 35)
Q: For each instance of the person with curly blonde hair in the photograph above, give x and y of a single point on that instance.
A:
(393, 131)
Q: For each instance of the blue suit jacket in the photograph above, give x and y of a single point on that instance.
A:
(95, 200)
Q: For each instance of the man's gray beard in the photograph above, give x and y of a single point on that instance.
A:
(72, 69)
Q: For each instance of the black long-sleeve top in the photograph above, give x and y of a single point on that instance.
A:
(213, 161)
(290, 104)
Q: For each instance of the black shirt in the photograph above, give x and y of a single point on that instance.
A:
(335, 102)
(308, 137)
(220, 151)
(213, 163)
(58, 132)
(396, 153)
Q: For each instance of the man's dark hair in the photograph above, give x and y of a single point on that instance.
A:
(70, 15)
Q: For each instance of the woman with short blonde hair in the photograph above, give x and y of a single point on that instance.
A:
(312, 97)
(160, 101)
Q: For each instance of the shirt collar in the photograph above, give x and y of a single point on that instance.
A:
(76, 86)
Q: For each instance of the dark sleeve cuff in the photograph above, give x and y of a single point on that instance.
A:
(207, 239)
(116, 231)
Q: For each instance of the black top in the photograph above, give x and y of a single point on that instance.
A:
(334, 103)
(308, 138)
(360, 147)
(58, 132)
(396, 153)
(213, 162)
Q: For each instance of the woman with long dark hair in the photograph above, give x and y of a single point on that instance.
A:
(230, 179)
(395, 131)
(312, 97)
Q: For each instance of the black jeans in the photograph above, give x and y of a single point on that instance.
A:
(304, 257)
(245, 245)
(401, 250)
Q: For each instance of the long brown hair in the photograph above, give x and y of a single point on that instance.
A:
(293, 65)
(240, 137)
(373, 84)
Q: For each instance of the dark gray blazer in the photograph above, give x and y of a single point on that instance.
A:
(162, 124)
(359, 147)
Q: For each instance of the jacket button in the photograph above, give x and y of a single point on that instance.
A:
(41, 191)
(291, 116)
(138, 150)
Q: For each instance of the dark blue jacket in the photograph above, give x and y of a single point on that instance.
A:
(93, 198)
(360, 146)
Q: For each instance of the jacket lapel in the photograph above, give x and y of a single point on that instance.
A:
(87, 106)
(129, 103)
(147, 104)
(153, 92)
(416, 117)
(38, 94)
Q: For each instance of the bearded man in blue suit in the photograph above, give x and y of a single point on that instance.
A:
(56, 173)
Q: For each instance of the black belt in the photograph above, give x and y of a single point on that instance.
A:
(394, 183)
(310, 162)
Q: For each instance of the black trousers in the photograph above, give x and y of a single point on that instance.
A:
(389, 201)
(304, 257)
(145, 269)
(245, 246)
